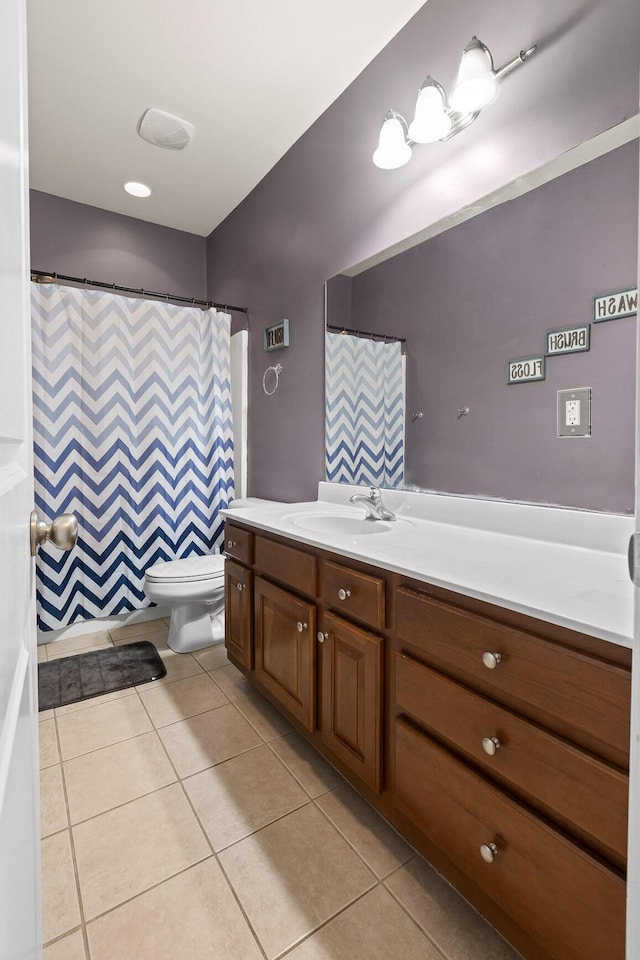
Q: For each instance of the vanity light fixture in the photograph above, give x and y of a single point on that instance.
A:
(437, 119)
(136, 189)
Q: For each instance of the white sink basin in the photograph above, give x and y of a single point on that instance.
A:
(340, 523)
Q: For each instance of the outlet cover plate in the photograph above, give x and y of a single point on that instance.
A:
(574, 412)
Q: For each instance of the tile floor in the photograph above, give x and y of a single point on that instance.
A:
(186, 820)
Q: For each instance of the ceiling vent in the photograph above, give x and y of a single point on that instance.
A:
(164, 129)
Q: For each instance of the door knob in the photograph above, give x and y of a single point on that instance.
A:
(62, 532)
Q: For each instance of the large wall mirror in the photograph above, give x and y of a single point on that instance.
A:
(426, 335)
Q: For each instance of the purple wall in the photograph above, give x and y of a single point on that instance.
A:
(325, 206)
(82, 241)
(487, 291)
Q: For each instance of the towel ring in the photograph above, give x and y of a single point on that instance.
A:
(277, 370)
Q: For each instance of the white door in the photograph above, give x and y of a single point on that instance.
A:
(19, 804)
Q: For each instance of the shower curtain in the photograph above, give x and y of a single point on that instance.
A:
(364, 400)
(133, 434)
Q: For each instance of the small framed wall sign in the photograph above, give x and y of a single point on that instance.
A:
(277, 336)
(612, 306)
(525, 369)
(569, 340)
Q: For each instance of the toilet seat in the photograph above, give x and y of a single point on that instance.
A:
(188, 570)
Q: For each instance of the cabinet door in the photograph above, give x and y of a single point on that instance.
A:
(285, 646)
(238, 609)
(351, 709)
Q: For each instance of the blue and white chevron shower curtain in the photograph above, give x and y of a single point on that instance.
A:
(364, 400)
(133, 434)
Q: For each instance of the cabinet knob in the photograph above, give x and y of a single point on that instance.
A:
(232, 543)
(343, 594)
(321, 637)
(491, 745)
(488, 852)
(240, 586)
(491, 660)
(300, 626)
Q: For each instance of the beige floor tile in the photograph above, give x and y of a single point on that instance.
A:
(130, 849)
(447, 919)
(305, 763)
(212, 657)
(53, 808)
(73, 645)
(232, 681)
(193, 916)
(102, 725)
(106, 778)
(158, 637)
(45, 715)
(69, 948)
(60, 910)
(379, 845)
(375, 926)
(42, 652)
(207, 739)
(181, 699)
(94, 701)
(265, 718)
(240, 796)
(48, 743)
(177, 665)
(292, 876)
(138, 631)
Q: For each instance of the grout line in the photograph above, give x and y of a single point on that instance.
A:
(422, 930)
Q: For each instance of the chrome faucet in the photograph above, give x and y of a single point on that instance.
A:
(373, 504)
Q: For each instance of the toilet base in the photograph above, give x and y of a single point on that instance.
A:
(195, 626)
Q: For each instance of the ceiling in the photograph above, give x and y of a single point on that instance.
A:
(251, 75)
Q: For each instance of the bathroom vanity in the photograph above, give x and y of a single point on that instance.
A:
(481, 716)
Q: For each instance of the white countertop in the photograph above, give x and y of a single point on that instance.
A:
(568, 567)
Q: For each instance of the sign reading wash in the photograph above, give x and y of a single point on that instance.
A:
(611, 306)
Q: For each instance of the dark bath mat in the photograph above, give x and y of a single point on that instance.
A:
(86, 675)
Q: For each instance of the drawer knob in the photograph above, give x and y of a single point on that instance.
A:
(491, 745)
(300, 626)
(321, 637)
(240, 586)
(231, 544)
(488, 852)
(491, 660)
(343, 594)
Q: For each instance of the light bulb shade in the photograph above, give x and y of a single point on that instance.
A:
(477, 85)
(393, 150)
(431, 121)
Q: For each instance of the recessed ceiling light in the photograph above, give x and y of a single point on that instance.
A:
(137, 189)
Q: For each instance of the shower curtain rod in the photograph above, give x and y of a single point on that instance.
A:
(368, 333)
(46, 276)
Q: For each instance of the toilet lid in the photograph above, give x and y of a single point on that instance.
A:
(189, 569)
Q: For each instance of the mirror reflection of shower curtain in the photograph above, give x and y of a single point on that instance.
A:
(364, 400)
(132, 433)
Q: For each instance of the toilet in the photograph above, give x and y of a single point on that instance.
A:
(193, 589)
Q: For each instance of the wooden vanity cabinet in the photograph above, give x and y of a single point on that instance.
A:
(351, 709)
(238, 623)
(495, 743)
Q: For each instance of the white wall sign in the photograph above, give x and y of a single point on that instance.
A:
(611, 306)
(277, 336)
(568, 340)
(525, 369)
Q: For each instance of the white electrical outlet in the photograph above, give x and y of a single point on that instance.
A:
(572, 413)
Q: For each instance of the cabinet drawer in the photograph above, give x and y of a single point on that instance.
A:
(584, 699)
(354, 594)
(288, 565)
(582, 793)
(569, 902)
(238, 543)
